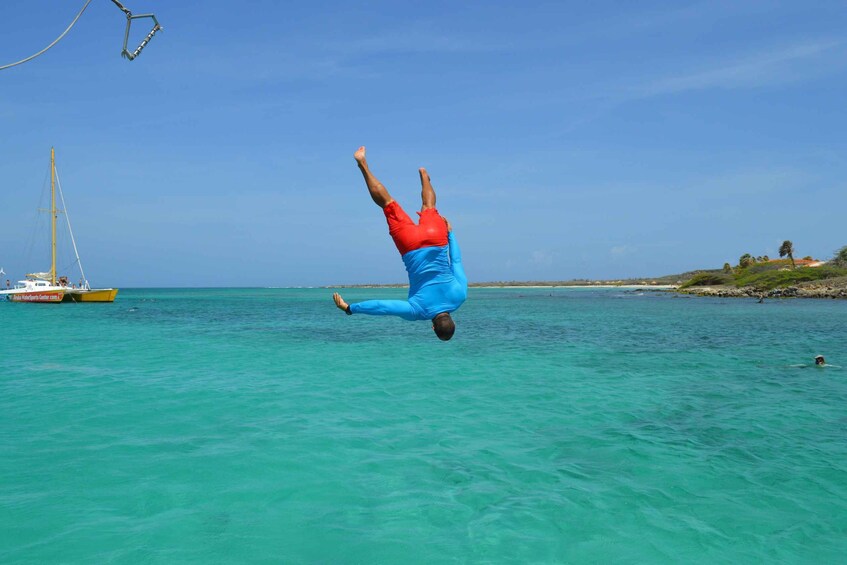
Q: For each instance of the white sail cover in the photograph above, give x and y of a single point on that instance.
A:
(43, 276)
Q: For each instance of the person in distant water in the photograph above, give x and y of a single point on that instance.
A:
(819, 362)
(437, 281)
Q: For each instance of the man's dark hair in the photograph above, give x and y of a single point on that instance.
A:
(444, 326)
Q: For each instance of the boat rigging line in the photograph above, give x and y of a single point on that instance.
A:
(125, 53)
(70, 230)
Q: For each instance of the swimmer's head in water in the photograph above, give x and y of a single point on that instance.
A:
(444, 326)
(819, 360)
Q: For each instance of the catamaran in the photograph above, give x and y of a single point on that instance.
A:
(47, 287)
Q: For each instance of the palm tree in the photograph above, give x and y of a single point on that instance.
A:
(746, 260)
(727, 268)
(840, 259)
(787, 248)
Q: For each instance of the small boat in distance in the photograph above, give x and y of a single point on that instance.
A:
(48, 287)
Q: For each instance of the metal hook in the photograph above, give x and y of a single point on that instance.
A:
(129, 17)
(156, 27)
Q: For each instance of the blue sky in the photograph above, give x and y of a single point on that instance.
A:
(564, 139)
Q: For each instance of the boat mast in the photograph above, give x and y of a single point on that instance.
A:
(53, 214)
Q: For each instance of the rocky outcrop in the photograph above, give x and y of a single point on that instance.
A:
(818, 290)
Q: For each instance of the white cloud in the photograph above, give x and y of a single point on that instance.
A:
(733, 187)
(544, 258)
(622, 250)
(774, 66)
(415, 41)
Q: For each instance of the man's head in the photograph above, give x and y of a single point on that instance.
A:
(444, 326)
(819, 360)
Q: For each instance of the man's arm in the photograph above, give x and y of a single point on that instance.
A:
(456, 258)
(399, 308)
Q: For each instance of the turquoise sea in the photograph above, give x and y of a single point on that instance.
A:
(559, 426)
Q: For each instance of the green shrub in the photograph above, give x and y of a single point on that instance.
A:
(772, 278)
(762, 267)
(712, 278)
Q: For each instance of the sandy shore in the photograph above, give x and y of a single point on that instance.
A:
(625, 286)
(495, 285)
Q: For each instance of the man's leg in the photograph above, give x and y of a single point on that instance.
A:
(378, 192)
(427, 192)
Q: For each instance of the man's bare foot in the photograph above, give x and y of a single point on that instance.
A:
(359, 155)
(339, 302)
(424, 175)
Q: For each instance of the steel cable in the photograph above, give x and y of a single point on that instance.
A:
(30, 58)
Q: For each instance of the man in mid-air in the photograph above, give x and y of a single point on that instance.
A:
(437, 281)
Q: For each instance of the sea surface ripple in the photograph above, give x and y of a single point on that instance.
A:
(559, 425)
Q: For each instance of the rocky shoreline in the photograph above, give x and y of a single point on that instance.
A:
(827, 288)
(803, 291)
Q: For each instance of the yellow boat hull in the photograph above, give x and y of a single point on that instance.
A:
(93, 295)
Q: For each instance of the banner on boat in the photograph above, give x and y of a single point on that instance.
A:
(37, 297)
